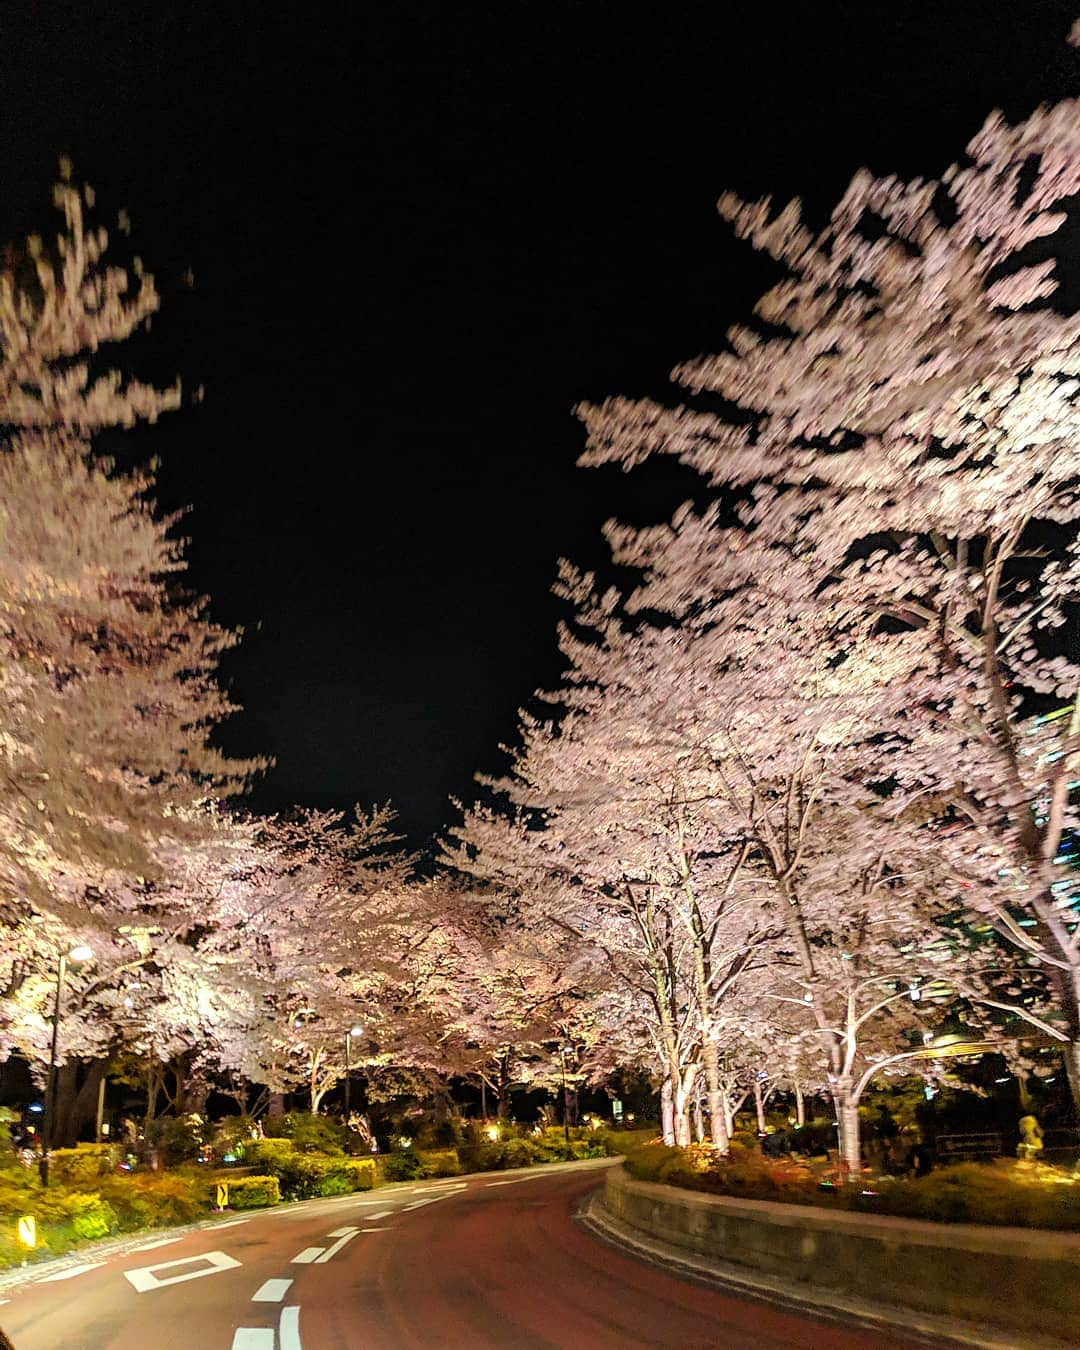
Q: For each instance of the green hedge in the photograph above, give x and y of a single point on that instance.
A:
(303, 1176)
(84, 1165)
(1005, 1192)
(253, 1192)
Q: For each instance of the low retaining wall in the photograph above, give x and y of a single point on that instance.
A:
(1016, 1278)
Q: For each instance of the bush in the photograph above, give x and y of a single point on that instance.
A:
(304, 1176)
(438, 1162)
(156, 1199)
(234, 1136)
(82, 1166)
(178, 1139)
(270, 1154)
(309, 1133)
(253, 1192)
(404, 1166)
(91, 1216)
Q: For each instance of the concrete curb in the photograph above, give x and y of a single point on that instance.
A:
(596, 1219)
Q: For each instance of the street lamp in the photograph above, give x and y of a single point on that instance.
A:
(564, 1050)
(353, 1031)
(75, 957)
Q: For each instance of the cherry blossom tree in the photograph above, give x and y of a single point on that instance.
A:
(900, 442)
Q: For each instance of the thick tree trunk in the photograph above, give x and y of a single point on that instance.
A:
(1072, 1071)
(276, 1106)
(719, 1132)
(699, 1121)
(76, 1102)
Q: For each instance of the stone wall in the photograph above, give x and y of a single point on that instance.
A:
(1016, 1278)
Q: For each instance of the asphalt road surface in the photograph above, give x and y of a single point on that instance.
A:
(486, 1261)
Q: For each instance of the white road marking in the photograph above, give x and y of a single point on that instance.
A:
(340, 1232)
(514, 1181)
(233, 1223)
(273, 1291)
(253, 1338)
(428, 1200)
(150, 1246)
(147, 1278)
(289, 1329)
(376, 1230)
(70, 1274)
(333, 1251)
(308, 1255)
(382, 1214)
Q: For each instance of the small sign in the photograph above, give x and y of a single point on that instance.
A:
(27, 1230)
(616, 1108)
(222, 1194)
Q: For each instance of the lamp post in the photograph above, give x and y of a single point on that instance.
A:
(353, 1031)
(74, 957)
(563, 1050)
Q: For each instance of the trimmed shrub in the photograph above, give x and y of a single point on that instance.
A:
(304, 1176)
(253, 1192)
(91, 1216)
(84, 1165)
(404, 1166)
(439, 1162)
(269, 1154)
(309, 1134)
(156, 1199)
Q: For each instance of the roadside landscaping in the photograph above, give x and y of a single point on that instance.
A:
(94, 1193)
(1020, 1194)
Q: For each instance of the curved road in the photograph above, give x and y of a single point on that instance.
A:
(488, 1261)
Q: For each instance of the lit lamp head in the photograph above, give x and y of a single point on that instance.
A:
(356, 1031)
(81, 953)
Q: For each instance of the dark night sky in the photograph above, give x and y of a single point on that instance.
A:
(417, 240)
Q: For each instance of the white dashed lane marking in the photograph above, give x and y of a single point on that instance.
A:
(333, 1251)
(289, 1329)
(273, 1291)
(253, 1338)
(152, 1246)
(308, 1255)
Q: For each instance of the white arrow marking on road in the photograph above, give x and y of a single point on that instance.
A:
(289, 1329)
(147, 1278)
(69, 1274)
(253, 1338)
(308, 1255)
(273, 1291)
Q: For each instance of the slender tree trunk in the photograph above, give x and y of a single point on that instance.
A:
(667, 1113)
(714, 1096)
(699, 1122)
(759, 1105)
(682, 1086)
(800, 1106)
(847, 1113)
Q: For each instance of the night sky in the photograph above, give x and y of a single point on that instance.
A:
(419, 234)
